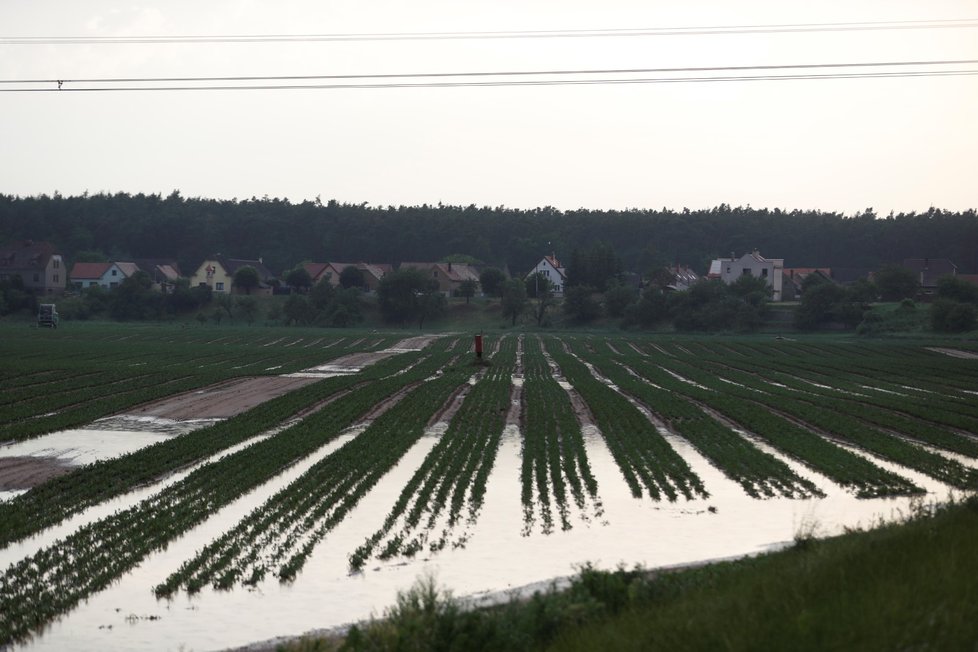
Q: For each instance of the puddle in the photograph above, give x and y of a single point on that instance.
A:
(83, 446)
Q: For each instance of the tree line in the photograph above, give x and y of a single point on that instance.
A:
(123, 226)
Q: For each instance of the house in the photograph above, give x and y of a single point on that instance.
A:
(372, 273)
(683, 278)
(929, 270)
(107, 275)
(85, 275)
(449, 276)
(551, 269)
(793, 278)
(162, 272)
(753, 264)
(36, 263)
(110, 275)
(217, 272)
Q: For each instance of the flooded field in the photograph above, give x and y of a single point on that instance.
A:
(328, 499)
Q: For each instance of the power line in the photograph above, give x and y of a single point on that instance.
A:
(956, 23)
(548, 82)
(496, 73)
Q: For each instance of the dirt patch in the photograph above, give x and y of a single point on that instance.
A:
(26, 472)
(357, 361)
(954, 353)
(223, 400)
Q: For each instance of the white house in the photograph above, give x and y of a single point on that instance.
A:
(108, 275)
(551, 269)
(754, 264)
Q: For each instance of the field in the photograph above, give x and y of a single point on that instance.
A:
(210, 487)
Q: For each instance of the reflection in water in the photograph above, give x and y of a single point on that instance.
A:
(496, 559)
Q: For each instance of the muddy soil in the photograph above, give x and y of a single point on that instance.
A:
(222, 401)
(26, 472)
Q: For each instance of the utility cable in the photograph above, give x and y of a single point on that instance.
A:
(956, 23)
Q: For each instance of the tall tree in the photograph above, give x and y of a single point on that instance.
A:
(246, 278)
(896, 283)
(491, 279)
(513, 299)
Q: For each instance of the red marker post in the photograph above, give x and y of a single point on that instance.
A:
(478, 347)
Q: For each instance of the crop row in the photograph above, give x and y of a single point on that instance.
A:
(926, 421)
(847, 469)
(279, 535)
(454, 473)
(554, 454)
(644, 457)
(38, 588)
(760, 474)
(807, 410)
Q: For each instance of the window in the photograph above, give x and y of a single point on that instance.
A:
(220, 286)
(114, 272)
(745, 272)
(56, 263)
(764, 272)
(728, 269)
(55, 278)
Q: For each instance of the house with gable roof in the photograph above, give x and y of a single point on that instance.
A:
(217, 272)
(753, 264)
(372, 273)
(551, 269)
(449, 276)
(37, 264)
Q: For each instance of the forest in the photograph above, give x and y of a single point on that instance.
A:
(124, 226)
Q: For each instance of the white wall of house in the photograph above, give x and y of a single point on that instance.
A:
(112, 277)
(550, 272)
(753, 264)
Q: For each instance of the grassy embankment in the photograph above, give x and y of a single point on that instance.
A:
(911, 586)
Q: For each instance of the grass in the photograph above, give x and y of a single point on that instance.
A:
(910, 586)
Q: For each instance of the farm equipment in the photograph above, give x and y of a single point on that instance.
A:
(47, 315)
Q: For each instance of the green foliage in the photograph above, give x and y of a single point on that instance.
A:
(538, 285)
(351, 277)
(954, 289)
(513, 299)
(651, 310)
(618, 298)
(246, 278)
(598, 266)
(247, 308)
(135, 299)
(896, 283)
(580, 304)
(299, 278)
(710, 305)
(948, 316)
(467, 289)
(491, 279)
(408, 295)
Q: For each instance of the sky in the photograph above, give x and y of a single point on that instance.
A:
(893, 144)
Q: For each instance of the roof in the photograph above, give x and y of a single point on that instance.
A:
(232, 265)
(159, 269)
(455, 272)
(88, 271)
(26, 255)
(805, 271)
(127, 269)
(929, 270)
(552, 259)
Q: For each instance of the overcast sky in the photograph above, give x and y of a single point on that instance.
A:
(842, 144)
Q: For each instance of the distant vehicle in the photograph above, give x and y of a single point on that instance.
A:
(47, 315)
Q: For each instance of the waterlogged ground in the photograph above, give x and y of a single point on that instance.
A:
(507, 550)
(497, 559)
